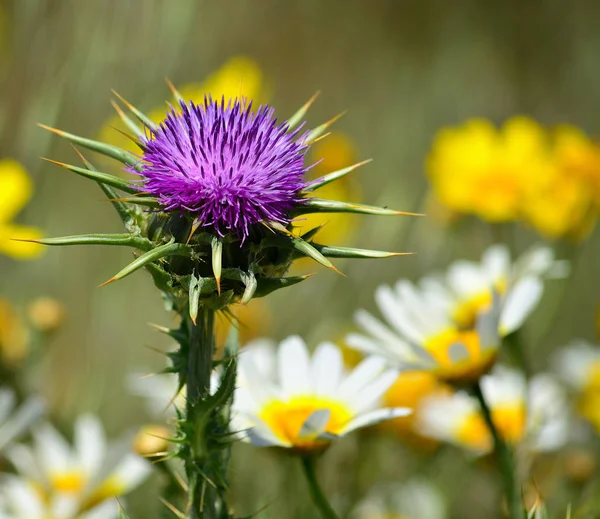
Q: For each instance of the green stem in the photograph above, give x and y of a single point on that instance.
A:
(504, 457)
(316, 493)
(201, 494)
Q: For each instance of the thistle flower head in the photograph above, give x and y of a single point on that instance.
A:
(230, 166)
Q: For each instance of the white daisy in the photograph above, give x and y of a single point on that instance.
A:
(286, 399)
(21, 499)
(536, 416)
(578, 365)
(453, 325)
(14, 423)
(81, 476)
(415, 499)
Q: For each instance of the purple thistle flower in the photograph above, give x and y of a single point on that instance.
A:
(229, 166)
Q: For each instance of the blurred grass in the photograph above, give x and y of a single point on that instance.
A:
(402, 69)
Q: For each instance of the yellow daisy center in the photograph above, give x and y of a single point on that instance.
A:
(443, 346)
(75, 482)
(71, 482)
(509, 420)
(285, 419)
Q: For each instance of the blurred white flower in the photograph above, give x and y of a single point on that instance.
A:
(78, 478)
(535, 417)
(14, 423)
(453, 325)
(578, 365)
(284, 398)
(414, 499)
(21, 499)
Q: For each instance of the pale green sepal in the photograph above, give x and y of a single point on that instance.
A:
(216, 246)
(194, 297)
(124, 239)
(168, 249)
(321, 205)
(334, 175)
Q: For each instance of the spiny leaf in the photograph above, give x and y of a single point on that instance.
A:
(104, 178)
(97, 239)
(349, 252)
(320, 130)
(216, 246)
(139, 133)
(168, 249)
(267, 285)
(320, 205)
(143, 118)
(297, 118)
(334, 175)
(105, 149)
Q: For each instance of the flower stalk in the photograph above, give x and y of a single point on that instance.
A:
(504, 458)
(316, 492)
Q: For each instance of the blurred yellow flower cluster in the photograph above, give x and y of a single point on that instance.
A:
(16, 188)
(548, 179)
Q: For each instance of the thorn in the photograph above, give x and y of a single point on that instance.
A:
(83, 159)
(61, 164)
(194, 228)
(125, 134)
(309, 103)
(53, 130)
(179, 514)
(126, 103)
(111, 280)
(335, 269)
(320, 138)
(117, 108)
(27, 241)
(181, 482)
(172, 88)
(160, 328)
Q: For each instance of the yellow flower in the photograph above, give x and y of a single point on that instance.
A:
(481, 170)
(566, 198)
(16, 189)
(239, 75)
